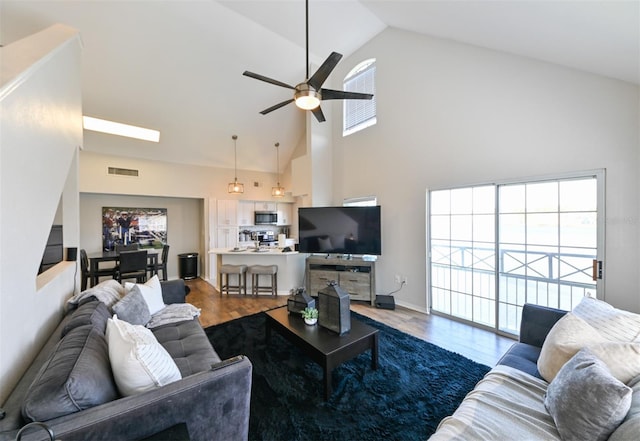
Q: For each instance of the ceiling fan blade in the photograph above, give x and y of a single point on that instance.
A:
(330, 94)
(277, 106)
(246, 73)
(323, 72)
(317, 112)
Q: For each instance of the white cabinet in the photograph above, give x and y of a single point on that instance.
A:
(285, 213)
(265, 206)
(227, 237)
(245, 213)
(227, 213)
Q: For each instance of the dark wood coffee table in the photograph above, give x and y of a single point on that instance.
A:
(325, 347)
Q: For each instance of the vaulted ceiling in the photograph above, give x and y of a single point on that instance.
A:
(176, 66)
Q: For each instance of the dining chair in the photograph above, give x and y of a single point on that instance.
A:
(132, 264)
(88, 274)
(161, 265)
(128, 247)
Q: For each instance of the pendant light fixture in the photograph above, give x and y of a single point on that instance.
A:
(277, 191)
(235, 187)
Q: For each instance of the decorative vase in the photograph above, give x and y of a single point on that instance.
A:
(311, 321)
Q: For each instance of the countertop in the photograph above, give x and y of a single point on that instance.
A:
(251, 251)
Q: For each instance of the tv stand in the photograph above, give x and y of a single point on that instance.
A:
(354, 275)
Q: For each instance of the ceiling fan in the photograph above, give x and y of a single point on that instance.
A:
(309, 93)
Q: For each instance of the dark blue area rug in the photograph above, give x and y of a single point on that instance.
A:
(416, 385)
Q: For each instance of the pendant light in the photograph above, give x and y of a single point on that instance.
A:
(277, 191)
(235, 187)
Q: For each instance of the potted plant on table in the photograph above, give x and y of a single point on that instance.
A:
(310, 315)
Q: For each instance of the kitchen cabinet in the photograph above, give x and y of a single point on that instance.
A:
(227, 237)
(246, 212)
(285, 212)
(265, 206)
(227, 213)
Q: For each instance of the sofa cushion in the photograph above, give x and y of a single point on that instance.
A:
(188, 345)
(571, 333)
(585, 400)
(76, 376)
(132, 308)
(630, 427)
(138, 361)
(523, 357)
(507, 404)
(94, 313)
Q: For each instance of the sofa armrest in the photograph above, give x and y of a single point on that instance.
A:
(536, 323)
(213, 404)
(174, 291)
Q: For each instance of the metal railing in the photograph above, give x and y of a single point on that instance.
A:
(546, 278)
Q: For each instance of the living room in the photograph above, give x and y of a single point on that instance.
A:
(449, 114)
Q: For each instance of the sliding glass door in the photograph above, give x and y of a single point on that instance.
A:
(493, 248)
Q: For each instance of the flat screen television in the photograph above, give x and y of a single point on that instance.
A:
(340, 230)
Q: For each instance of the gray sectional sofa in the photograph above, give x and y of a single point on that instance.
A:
(511, 401)
(211, 399)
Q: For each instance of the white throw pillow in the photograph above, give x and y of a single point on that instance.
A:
(614, 324)
(152, 293)
(570, 334)
(139, 363)
(622, 359)
(565, 339)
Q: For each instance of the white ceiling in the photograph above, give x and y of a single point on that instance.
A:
(176, 66)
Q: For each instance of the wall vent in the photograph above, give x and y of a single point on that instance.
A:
(256, 184)
(122, 171)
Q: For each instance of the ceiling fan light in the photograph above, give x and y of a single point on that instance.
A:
(307, 99)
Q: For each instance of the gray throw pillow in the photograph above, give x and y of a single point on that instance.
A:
(133, 308)
(585, 400)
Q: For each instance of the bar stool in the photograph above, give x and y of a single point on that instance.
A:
(268, 270)
(238, 270)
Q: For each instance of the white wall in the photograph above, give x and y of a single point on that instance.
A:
(177, 185)
(451, 114)
(184, 223)
(41, 129)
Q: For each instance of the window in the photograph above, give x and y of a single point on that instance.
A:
(359, 114)
(493, 248)
(367, 201)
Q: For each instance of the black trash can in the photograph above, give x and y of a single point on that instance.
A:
(188, 265)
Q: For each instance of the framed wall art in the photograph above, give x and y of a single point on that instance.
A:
(123, 225)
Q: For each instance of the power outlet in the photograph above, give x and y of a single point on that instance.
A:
(404, 280)
(397, 279)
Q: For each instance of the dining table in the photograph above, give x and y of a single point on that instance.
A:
(114, 256)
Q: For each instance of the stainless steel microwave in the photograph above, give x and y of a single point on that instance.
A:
(266, 218)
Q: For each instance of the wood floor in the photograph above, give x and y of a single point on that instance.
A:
(477, 344)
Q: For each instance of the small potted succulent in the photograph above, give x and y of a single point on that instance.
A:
(310, 316)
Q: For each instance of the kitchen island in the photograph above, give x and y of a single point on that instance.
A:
(291, 265)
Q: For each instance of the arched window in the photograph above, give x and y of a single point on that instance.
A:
(359, 114)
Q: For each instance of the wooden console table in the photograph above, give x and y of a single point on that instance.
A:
(355, 276)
